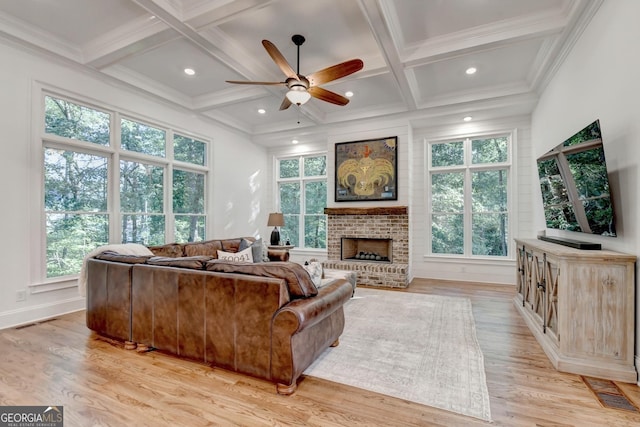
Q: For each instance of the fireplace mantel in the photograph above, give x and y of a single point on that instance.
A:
(391, 210)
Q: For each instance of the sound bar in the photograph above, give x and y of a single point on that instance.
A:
(577, 244)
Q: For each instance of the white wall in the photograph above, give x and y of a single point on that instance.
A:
(600, 80)
(237, 199)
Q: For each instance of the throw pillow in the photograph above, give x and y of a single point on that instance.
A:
(242, 256)
(256, 249)
(265, 251)
(314, 268)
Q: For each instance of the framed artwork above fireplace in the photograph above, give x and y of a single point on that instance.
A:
(366, 170)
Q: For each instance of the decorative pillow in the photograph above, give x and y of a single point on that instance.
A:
(242, 256)
(256, 249)
(314, 268)
(244, 244)
(265, 251)
(297, 278)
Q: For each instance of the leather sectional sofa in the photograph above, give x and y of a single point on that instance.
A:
(265, 319)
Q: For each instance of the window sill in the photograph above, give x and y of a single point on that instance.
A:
(51, 285)
(497, 261)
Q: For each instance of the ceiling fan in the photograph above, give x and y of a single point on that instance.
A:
(302, 88)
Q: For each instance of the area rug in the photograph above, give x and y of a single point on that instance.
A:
(421, 348)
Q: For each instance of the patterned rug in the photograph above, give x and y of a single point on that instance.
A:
(421, 348)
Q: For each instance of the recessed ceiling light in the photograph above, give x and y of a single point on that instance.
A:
(471, 70)
(261, 111)
(468, 119)
(348, 94)
(189, 71)
(294, 141)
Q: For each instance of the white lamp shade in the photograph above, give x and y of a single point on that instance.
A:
(298, 95)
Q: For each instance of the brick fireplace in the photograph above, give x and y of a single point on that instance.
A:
(356, 234)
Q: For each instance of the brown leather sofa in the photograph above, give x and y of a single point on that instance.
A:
(264, 319)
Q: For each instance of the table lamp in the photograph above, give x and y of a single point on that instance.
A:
(275, 220)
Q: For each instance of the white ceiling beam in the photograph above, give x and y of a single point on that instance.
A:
(207, 12)
(15, 29)
(378, 25)
(222, 50)
(133, 38)
(232, 95)
(480, 39)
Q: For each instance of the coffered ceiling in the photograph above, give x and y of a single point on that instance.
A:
(415, 53)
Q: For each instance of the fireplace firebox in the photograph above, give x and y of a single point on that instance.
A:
(365, 249)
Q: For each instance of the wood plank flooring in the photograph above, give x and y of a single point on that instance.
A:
(61, 362)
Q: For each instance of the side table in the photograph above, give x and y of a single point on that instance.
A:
(286, 247)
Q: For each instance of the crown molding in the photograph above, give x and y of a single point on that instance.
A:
(582, 12)
(28, 35)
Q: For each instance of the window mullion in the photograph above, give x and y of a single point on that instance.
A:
(468, 200)
(113, 197)
(303, 209)
(467, 213)
(168, 204)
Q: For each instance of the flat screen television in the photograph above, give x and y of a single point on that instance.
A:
(575, 185)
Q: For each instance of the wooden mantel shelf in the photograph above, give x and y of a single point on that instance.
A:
(391, 210)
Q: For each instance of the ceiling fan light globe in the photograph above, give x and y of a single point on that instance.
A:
(298, 95)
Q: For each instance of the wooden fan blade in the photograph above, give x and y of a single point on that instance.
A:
(327, 95)
(237, 82)
(285, 104)
(335, 72)
(277, 57)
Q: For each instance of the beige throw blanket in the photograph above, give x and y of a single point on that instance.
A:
(121, 248)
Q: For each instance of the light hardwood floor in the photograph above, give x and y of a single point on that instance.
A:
(61, 362)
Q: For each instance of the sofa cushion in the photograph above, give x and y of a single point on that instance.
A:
(128, 259)
(233, 245)
(195, 262)
(208, 247)
(245, 255)
(170, 250)
(298, 280)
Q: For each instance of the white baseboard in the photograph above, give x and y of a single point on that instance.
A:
(37, 313)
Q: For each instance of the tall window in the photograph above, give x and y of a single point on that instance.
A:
(145, 184)
(302, 188)
(468, 182)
